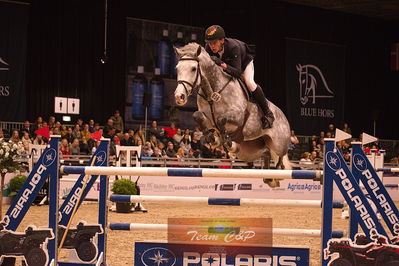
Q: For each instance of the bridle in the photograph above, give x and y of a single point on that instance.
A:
(193, 85)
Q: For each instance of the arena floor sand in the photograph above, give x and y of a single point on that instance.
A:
(120, 243)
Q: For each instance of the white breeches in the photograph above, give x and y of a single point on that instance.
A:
(248, 76)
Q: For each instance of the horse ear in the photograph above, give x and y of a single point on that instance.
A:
(298, 67)
(177, 51)
(199, 50)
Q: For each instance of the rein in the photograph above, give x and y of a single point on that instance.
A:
(214, 97)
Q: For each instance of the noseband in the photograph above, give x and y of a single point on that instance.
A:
(185, 82)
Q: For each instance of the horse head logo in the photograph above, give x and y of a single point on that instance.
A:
(4, 65)
(308, 77)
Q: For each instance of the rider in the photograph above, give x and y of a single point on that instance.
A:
(235, 57)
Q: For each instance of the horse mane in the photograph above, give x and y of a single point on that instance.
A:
(190, 50)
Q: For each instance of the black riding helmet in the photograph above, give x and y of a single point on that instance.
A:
(214, 32)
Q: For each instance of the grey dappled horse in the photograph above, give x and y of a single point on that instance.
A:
(224, 106)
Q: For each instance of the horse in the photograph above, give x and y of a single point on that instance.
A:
(226, 111)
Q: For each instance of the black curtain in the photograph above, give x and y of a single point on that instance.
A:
(66, 43)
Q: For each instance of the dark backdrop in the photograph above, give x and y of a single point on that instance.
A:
(66, 40)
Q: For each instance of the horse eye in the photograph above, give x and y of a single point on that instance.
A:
(193, 69)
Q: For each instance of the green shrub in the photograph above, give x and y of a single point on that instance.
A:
(15, 184)
(124, 187)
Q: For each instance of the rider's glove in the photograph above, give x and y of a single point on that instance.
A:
(217, 60)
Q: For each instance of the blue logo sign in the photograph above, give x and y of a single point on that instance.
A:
(359, 162)
(49, 157)
(333, 161)
(158, 256)
(100, 158)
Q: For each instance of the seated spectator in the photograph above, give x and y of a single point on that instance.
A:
(197, 132)
(64, 130)
(153, 141)
(170, 131)
(26, 138)
(15, 136)
(191, 154)
(206, 151)
(57, 125)
(76, 133)
(79, 121)
(37, 124)
(346, 128)
(322, 135)
(157, 153)
(86, 134)
(74, 147)
(55, 131)
(156, 131)
(27, 128)
(170, 150)
(139, 136)
(331, 130)
(196, 145)
(188, 132)
(127, 140)
(51, 122)
(305, 158)
(146, 153)
(91, 126)
(161, 147)
(185, 143)
(177, 137)
(85, 146)
(108, 127)
(314, 157)
(39, 140)
(1, 135)
(69, 136)
(147, 145)
(64, 147)
(180, 154)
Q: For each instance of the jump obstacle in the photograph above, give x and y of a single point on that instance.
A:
(335, 170)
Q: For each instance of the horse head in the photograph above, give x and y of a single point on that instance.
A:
(188, 71)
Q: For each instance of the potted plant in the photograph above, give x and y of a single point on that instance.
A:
(124, 187)
(9, 153)
(15, 184)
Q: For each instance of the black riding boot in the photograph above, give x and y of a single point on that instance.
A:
(268, 117)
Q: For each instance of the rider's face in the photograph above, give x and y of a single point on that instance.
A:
(216, 45)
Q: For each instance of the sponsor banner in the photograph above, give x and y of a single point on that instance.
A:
(13, 34)
(315, 84)
(224, 187)
(147, 253)
(221, 231)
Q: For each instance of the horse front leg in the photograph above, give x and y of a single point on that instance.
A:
(205, 126)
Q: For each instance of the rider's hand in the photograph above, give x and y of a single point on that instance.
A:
(217, 60)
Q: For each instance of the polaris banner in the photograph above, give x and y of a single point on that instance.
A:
(13, 31)
(147, 254)
(315, 84)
